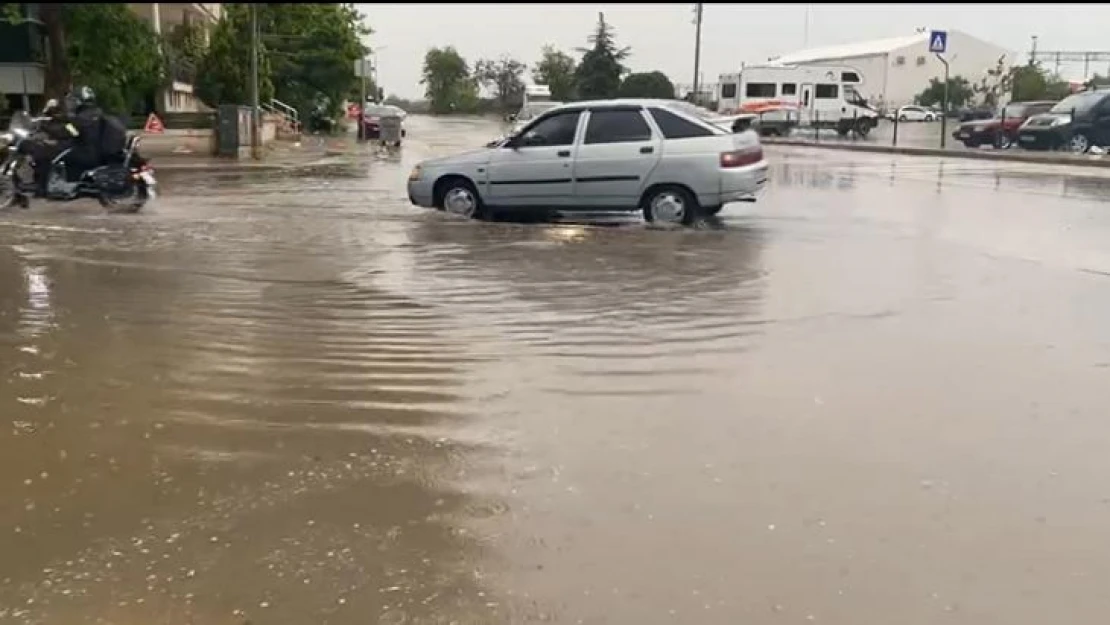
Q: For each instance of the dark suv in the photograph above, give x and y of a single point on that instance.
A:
(1076, 123)
(1001, 129)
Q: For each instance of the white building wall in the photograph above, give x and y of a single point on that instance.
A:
(891, 82)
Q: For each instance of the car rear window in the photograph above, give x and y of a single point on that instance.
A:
(674, 127)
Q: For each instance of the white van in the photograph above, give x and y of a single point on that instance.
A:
(813, 96)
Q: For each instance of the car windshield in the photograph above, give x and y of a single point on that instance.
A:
(1079, 102)
(535, 109)
(851, 96)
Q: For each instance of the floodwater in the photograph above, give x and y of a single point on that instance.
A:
(876, 396)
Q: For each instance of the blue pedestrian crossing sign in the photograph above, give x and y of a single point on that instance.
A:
(938, 41)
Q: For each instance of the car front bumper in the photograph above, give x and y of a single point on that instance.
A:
(422, 193)
(1042, 138)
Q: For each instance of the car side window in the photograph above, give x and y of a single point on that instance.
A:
(617, 127)
(554, 130)
(674, 127)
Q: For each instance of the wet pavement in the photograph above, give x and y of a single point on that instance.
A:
(875, 396)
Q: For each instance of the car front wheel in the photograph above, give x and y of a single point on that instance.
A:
(459, 197)
(1079, 143)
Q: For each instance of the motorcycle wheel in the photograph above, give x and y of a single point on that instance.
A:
(131, 202)
(10, 196)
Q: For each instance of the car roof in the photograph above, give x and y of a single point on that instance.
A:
(618, 103)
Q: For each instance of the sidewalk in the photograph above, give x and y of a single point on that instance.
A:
(1012, 155)
(312, 152)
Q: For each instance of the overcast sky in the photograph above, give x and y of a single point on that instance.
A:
(662, 35)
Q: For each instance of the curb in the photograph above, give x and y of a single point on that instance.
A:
(239, 167)
(1036, 159)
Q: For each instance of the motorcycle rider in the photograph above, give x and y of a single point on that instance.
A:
(78, 126)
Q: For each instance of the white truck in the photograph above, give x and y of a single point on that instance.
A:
(786, 96)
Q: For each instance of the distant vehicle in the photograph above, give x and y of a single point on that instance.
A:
(788, 96)
(1001, 130)
(371, 119)
(606, 155)
(1076, 123)
(914, 113)
(530, 111)
(536, 93)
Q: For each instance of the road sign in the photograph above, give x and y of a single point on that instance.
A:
(938, 41)
(154, 125)
(364, 68)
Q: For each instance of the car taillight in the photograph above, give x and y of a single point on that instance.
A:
(740, 158)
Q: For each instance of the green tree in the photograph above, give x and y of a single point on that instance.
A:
(505, 77)
(647, 85)
(960, 93)
(1033, 82)
(447, 82)
(556, 70)
(599, 74)
(224, 75)
(184, 49)
(103, 45)
(312, 50)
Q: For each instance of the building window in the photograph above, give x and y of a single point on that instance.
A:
(760, 90)
(899, 60)
(920, 60)
(789, 88)
(827, 92)
(728, 90)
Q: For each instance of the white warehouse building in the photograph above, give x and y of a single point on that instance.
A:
(895, 70)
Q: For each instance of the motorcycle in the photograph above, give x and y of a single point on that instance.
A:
(124, 184)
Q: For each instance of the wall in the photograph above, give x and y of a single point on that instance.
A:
(892, 83)
(968, 57)
(201, 142)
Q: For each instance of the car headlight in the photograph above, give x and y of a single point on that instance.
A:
(416, 174)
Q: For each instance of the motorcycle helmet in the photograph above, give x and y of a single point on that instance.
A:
(84, 96)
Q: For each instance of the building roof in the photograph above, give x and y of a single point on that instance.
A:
(851, 50)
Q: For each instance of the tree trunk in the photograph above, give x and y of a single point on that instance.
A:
(57, 77)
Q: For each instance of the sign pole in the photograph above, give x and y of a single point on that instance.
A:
(938, 45)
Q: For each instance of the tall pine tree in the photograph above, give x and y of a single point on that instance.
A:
(599, 74)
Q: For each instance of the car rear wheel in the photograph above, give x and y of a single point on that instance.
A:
(1079, 143)
(670, 205)
(929, 117)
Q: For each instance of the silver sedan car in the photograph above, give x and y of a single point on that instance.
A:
(653, 156)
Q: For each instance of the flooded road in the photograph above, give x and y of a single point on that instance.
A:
(876, 396)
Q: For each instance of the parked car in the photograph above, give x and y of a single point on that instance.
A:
(1001, 130)
(371, 119)
(1076, 123)
(913, 113)
(606, 155)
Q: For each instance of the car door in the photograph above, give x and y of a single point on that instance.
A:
(1102, 122)
(535, 168)
(615, 158)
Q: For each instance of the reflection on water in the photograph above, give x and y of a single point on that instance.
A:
(203, 420)
(292, 398)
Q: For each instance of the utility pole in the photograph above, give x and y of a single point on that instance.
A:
(256, 113)
(944, 104)
(697, 49)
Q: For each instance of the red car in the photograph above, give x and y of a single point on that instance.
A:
(371, 121)
(1001, 130)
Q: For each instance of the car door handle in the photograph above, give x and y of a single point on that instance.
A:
(647, 150)
(563, 153)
